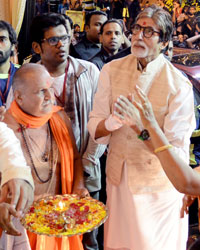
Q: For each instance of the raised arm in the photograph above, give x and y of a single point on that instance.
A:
(191, 40)
(184, 178)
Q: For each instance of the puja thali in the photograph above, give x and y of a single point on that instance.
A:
(64, 215)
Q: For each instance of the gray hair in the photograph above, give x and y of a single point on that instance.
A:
(26, 74)
(161, 18)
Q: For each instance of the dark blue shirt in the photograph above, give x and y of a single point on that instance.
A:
(4, 81)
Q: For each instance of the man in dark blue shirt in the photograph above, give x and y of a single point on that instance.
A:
(8, 41)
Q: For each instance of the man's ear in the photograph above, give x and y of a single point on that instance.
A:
(36, 47)
(163, 45)
(18, 97)
(13, 50)
(87, 28)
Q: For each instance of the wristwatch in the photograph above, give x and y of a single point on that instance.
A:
(144, 135)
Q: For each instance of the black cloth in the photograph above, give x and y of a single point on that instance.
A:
(24, 44)
(85, 49)
(117, 9)
(100, 58)
(41, 8)
(105, 4)
(191, 21)
(134, 9)
(120, 54)
(35, 58)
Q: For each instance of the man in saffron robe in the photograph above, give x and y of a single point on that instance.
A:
(49, 148)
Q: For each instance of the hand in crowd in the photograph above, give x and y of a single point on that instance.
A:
(175, 6)
(80, 190)
(6, 213)
(20, 193)
(187, 202)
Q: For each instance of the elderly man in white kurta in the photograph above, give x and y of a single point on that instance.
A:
(144, 208)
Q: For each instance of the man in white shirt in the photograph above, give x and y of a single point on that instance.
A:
(144, 208)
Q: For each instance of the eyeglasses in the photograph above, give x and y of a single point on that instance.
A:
(53, 41)
(147, 31)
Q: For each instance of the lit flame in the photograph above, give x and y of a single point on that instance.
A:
(61, 205)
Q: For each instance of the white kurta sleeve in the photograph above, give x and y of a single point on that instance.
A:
(102, 105)
(13, 164)
(180, 121)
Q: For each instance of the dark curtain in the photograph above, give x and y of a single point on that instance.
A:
(24, 46)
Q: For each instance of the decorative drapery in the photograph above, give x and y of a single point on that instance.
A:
(12, 11)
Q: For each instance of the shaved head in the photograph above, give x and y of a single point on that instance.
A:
(27, 75)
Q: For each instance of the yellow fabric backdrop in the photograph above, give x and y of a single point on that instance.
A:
(12, 11)
(77, 17)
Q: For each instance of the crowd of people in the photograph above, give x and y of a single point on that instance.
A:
(186, 26)
(78, 113)
(186, 20)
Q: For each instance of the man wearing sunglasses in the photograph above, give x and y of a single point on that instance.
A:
(144, 208)
(75, 83)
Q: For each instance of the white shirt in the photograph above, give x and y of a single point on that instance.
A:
(178, 124)
(13, 164)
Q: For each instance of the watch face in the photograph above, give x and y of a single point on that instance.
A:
(145, 134)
